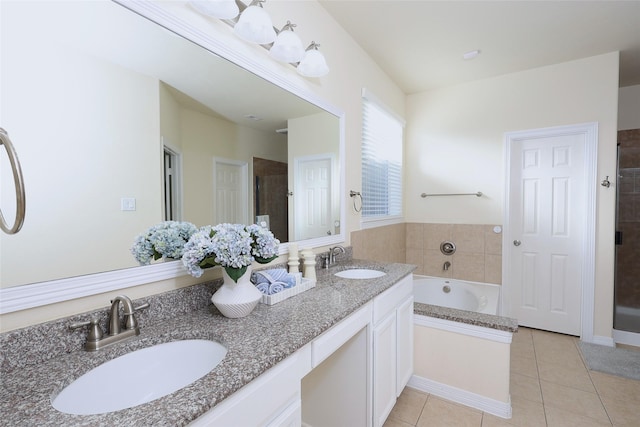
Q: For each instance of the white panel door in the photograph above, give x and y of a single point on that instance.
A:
(312, 195)
(547, 208)
(230, 192)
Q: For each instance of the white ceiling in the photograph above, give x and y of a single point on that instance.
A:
(420, 43)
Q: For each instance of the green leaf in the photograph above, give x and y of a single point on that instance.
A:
(208, 262)
(235, 273)
(261, 260)
(156, 254)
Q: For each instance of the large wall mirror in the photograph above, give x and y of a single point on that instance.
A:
(120, 124)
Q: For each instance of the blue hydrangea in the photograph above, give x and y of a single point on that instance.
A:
(232, 246)
(164, 240)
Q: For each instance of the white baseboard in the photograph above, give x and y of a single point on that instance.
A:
(467, 398)
(600, 340)
(628, 338)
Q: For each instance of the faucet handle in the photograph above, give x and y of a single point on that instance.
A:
(325, 260)
(95, 331)
(141, 307)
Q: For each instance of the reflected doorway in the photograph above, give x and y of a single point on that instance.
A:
(627, 268)
(172, 185)
(270, 180)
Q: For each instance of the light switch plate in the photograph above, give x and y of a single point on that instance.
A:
(128, 204)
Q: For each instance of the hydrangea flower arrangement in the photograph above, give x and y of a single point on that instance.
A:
(232, 246)
(166, 239)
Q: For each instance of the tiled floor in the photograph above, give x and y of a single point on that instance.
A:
(550, 386)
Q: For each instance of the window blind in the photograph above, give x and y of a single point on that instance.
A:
(382, 153)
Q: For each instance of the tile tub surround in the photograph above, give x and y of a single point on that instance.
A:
(478, 256)
(255, 344)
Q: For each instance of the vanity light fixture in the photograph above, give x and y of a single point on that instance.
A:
(288, 46)
(221, 9)
(313, 64)
(255, 24)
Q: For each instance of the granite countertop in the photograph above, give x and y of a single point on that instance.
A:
(255, 343)
(469, 317)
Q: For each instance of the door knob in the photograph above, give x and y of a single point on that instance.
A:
(517, 243)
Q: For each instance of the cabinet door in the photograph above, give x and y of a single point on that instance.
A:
(404, 356)
(384, 368)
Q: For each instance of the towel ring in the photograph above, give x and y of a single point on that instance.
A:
(19, 183)
(354, 194)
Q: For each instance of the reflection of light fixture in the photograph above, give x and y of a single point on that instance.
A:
(222, 9)
(288, 46)
(255, 24)
(253, 117)
(313, 64)
(470, 55)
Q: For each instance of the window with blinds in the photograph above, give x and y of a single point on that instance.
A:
(382, 152)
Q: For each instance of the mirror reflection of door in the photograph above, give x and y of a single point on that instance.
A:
(270, 195)
(172, 196)
(312, 196)
(230, 191)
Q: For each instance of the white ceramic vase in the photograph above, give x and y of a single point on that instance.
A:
(236, 299)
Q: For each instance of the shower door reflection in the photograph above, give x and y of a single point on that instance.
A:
(270, 189)
(627, 274)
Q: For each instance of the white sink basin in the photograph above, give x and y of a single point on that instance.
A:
(360, 273)
(139, 377)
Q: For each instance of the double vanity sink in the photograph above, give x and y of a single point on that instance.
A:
(181, 366)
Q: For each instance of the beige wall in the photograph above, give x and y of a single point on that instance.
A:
(629, 108)
(455, 144)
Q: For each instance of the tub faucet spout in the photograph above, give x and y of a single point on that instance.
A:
(446, 266)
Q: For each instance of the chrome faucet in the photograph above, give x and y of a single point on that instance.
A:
(329, 258)
(130, 322)
(96, 339)
(333, 252)
(446, 265)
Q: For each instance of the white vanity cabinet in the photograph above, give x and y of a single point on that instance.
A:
(392, 346)
(349, 375)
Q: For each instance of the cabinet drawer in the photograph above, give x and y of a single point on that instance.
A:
(390, 299)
